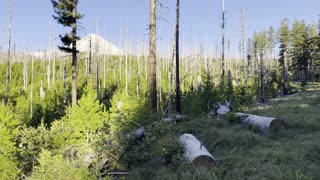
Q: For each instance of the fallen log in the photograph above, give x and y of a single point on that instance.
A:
(195, 152)
(138, 135)
(174, 117)
(117, 173)
(223, 109)
(263, 123)
(89, 159)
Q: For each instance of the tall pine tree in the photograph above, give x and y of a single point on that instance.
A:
(284, 38)
(66, 15)
(300, 54)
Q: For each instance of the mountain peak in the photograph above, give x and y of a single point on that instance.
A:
(98, 45)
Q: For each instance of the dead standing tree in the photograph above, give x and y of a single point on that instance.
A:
(6, 100)
(223, 43)
(152, 56)
(178, 104)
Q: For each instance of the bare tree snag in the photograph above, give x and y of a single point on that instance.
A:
(6, 96)
(223, 42)
(31, 88)
(64, 83)
(285, 74)
(152, 56)
(243, 44)
(262, 77)
(178, 104)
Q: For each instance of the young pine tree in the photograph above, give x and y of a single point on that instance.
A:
(8, 130)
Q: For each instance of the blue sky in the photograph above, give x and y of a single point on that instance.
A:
(32, 20)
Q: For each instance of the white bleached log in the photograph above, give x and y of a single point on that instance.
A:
(138, 134)
(89, 159)
(263, 123)
(174, 117)
(223, 109)
(195, 152)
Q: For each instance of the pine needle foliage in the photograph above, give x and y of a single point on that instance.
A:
(81, 122)
(8, 130)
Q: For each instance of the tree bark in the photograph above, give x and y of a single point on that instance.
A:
(90, 58)
(262, 74)
(285, 73)
(152, 56)
(31, 89)
(25, 72)
(243, 46)
(97, 78)
(48, 70)
(54, 67)
(6, 100)
(230, 87)
(74, 56)
(223, 42)
(65, 84)
(178, 104)
(104, 72)
(127, 60)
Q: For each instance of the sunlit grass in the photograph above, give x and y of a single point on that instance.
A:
(244, 153)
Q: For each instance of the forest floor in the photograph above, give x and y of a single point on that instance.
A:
(244, 152)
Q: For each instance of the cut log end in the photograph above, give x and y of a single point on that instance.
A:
(263, 123)
(277, 124)
(195, 152)
(204, 161)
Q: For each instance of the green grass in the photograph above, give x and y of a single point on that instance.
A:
(243, 152)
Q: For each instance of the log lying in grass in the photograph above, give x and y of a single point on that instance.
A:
(263, 123)
(174, 117)
(138, 134)
(223, 109)
(195, 152)
(89, 159)
(220, 110)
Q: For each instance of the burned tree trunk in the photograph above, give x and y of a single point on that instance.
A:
(89, 59)
(152, 56)
(74, 54)
(178, 106)
(223, 42)
(65, 84)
